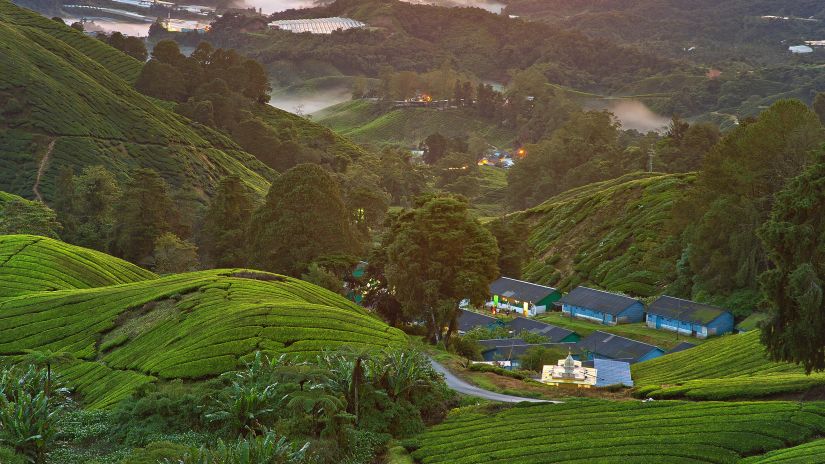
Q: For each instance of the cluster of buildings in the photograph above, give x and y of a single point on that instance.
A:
(601, 358)
(665, 313)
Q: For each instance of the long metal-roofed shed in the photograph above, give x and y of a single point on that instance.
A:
(601, 306)
(688, 317)
(526, 298)
(469, 320)
(603, 345)
(554, 333)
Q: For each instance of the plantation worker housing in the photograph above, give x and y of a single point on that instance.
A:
(688, 317)
(526, 298)
(602, 307)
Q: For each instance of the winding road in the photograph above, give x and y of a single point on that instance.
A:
(465, 388)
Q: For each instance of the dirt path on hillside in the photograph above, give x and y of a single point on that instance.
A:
(44, 163)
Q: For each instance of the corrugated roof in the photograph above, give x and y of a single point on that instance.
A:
(469, 320)
(520, 290)
(599, 300)
(684, 310)
(514, 348)
(554, 333)
(610, 372)
(615, 347)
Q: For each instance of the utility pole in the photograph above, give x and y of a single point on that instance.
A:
(650, 154)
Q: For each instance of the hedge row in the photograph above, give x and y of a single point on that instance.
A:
(733, 366)
(633, 432)
(193, 326)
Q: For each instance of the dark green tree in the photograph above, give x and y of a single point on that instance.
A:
(437, 255)
(303, 219)
(734, 196)
(793, 287)
(225, 224)
(144, 212)
(819, 106)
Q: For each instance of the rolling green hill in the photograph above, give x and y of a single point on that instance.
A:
(66, 100)
(188, 326)
(587, 431)
(802, 454)
(733, 366)
(372, 122)
(610, 234)
(36, 264)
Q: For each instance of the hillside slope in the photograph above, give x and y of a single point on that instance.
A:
(23, 269)
(66, 100)
(188, 326)
(733, 366)
(590, 431)
(370, 122)
(610, 234)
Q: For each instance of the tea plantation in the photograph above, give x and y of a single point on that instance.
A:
(67, 100)
(143, 328)
(33, 264)
(802, 454)
(609, 234)
(587, 431)
(733, 366)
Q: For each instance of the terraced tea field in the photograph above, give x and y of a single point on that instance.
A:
(32, 264)
(188, 326)
(588, 431)
(610, 234)
(733, 366)
(813, 452)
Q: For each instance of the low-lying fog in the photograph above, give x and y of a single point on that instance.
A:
(306, 103)
(633, 114)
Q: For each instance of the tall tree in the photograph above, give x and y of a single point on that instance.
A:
(437, 255)
(225, 224)
(144, 212)
(173, 255)
(95, 193)
(734, 196)
(793, 288)
(303, 219)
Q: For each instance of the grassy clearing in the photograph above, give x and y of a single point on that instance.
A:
(585, 431)
(610, 234)
(637, 331)
(370, 122)
(188, 326)
(732, 366)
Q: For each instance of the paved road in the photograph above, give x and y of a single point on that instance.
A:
(471, 390)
